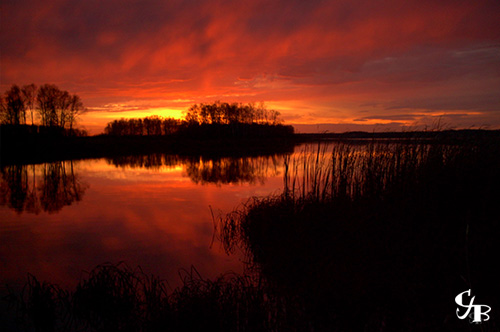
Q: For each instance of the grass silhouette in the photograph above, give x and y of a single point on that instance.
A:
(380, 235)
(114, 297)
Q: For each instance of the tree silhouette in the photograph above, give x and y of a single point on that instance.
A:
(55, 107)
(46, 100)
(235, 113)
(149, 126)
(216, 120)
(29, 98)
(75, 108)
(13, 108)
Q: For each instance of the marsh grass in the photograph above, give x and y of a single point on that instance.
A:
(118, 298)
(44, 303)
(366, 235)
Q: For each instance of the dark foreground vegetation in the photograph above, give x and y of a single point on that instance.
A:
(364, 237)
(118, 298)
(380, 237)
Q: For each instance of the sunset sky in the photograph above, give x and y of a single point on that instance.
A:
(355, 65)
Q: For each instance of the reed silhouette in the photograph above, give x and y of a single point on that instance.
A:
(378, 236)
(119, 298)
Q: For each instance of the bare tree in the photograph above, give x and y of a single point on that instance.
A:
(57, 108)
(14, 109)
(170, 125)
(47, 105)
(193, 114)
(3, 110)
(29, 97)
(63, 101)
(75, 109)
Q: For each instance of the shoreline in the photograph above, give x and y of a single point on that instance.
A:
(37, 148)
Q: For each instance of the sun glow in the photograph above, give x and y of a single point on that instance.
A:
(164, 112)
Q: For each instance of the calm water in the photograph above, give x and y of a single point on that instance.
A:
(61, 218)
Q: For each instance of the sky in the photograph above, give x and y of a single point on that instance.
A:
(324, 65)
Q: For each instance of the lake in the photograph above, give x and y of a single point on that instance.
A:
(58, 219)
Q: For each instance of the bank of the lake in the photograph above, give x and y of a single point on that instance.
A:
(20, 145)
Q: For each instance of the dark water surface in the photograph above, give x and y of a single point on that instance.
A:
(58, 219)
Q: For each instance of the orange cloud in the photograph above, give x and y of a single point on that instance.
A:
(332, 57)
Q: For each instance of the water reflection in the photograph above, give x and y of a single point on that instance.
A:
(35, 188)
(232, 170)
(50, 187)
(151, 161)
(209, 170)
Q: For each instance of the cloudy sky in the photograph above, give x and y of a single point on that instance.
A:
(357, 64)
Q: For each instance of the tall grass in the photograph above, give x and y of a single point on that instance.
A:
(118, 298)
(377, 228)
(342, 170)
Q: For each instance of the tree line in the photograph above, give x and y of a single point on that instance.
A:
(49, 105)
(217, 119)
(235, 113)
(149, 126)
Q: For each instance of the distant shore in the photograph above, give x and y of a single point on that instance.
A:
(22, 148)
(423, 135)
(36, 148)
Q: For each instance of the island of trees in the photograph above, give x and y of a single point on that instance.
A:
(46, 109)
(216, 120)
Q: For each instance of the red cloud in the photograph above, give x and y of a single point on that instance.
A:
(333, 55)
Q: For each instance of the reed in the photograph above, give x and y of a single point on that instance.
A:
(360, 229)
(118, 298)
